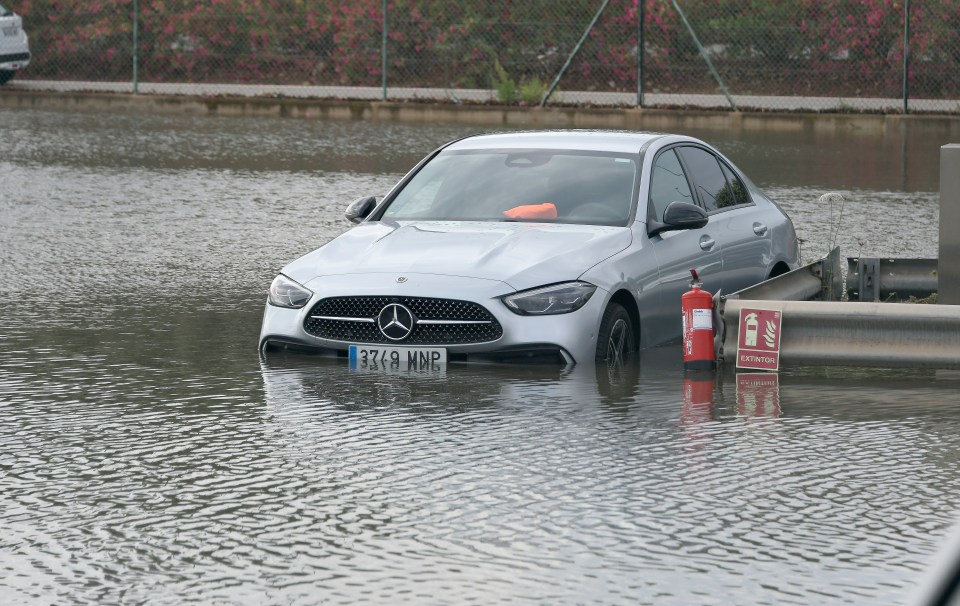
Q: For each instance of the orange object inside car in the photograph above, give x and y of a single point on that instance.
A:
(547, 210)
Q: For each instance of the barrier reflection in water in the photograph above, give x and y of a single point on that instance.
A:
(653, 378)
(758, 395)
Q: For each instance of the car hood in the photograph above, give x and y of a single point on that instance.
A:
(523, 255)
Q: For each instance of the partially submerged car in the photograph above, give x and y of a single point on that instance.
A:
(14, 47)
(566, 246)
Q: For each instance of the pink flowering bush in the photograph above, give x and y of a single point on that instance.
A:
(810, 47)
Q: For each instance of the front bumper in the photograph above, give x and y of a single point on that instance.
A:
(14, 61)
(564, 338)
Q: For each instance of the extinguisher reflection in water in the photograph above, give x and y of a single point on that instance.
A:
(697, 305)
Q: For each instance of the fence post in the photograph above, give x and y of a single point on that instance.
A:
(641, 8)
(383, 52)
(136, 47)
(906, 57)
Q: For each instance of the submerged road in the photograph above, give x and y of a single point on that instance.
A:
(149, 455)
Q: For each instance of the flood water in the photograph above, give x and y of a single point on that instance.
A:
(149, 455)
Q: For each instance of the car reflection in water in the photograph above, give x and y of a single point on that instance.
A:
(653, 378)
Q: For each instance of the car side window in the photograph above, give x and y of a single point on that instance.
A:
(735, 192)
(668, 183)
(707, 176)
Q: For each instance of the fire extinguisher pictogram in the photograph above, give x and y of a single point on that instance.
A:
(697, 304)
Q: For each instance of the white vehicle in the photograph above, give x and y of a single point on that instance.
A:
(570, 246)
(14, 47)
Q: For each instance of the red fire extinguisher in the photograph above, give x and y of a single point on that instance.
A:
(697, 307)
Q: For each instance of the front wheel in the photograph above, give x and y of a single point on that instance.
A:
(615, 339)
(6, 75)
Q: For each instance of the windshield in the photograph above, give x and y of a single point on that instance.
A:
(511, 185)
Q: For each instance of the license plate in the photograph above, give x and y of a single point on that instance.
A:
(384, 357)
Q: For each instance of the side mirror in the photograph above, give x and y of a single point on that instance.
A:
(360, 208)
(679, 215)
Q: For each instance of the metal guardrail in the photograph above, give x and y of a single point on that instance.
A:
(855, 334)
(819, 329)
(875, 280)
(821, 281)
(829, 332)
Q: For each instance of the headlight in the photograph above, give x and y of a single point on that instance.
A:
(549, 300)
(284, 292)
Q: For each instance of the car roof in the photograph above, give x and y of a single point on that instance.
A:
(584, 140)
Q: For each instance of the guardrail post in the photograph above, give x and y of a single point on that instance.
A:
(869, 284)
(948, 269)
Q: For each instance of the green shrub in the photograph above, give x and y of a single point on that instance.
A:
(532, 91)
(505, 86)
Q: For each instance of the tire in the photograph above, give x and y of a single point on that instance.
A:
(616, 336)
(6, 75)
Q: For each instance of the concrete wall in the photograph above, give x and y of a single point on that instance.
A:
(485, 115)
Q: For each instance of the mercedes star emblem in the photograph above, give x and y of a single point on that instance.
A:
(395, 322)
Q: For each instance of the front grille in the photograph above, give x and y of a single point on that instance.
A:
(14, 57)
(437, 321)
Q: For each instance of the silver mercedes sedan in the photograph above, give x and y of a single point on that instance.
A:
(565, 246)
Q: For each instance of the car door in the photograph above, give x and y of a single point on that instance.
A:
(742, 235)
(676, 251)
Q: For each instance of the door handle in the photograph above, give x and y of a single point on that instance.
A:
(759, 229)
(706, 242)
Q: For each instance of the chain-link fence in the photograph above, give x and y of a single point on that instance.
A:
(804, 54)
